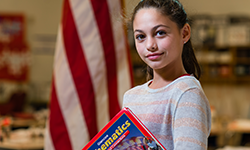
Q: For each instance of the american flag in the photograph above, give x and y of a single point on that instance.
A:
(92, 71)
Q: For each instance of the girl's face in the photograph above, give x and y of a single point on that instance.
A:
(158, 40)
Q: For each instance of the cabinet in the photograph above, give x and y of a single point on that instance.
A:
(222, 45)
(227, 64)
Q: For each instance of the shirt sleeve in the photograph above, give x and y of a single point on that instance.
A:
(191, 121)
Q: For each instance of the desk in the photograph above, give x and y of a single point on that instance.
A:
(20, 123)
(33, 144)
(238, 132)
(24, 139)
(240, 125)
(234, 148)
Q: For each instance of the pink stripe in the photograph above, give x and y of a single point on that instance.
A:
(190, 122)
(191, 140)
(156, 118)
(162, 102)
(58, 129)
(101, 11)
(79, 69)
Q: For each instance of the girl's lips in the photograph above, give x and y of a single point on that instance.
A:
(154, 56)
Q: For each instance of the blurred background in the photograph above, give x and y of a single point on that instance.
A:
(220, 35)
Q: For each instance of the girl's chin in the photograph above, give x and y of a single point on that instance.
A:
(155, 67)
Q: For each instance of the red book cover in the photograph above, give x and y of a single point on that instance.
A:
(124, 131)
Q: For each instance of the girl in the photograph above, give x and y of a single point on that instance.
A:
(172, 104)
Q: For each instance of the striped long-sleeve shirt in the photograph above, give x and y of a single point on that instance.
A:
(178, 114)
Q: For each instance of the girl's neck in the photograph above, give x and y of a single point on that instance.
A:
(161, 80)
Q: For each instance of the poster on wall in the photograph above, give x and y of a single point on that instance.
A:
(14, 51)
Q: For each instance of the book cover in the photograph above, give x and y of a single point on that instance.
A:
(124, 131)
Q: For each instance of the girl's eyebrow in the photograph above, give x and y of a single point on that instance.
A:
(160, 25)
(137, 30)
(154, 28)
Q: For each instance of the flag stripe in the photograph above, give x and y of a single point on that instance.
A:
(79, 70)
(57, 124)
(48, 144)
(68, 97)
(124, 69)
(92, 46)
(101, 11)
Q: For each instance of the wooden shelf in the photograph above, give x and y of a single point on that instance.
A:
(243, 60)
(234, 70)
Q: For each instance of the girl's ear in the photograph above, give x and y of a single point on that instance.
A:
(186, 32)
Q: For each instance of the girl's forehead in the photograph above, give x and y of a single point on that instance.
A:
(149, 15)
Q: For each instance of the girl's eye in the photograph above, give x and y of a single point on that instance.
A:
(160, 33)
(140, 37)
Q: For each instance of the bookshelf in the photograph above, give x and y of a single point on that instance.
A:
(224, 64)
(222, 46)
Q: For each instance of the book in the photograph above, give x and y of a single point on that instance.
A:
(124, 131)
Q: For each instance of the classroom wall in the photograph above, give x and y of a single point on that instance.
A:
(42, 20)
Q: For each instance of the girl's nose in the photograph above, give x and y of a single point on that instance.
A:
(151, 44)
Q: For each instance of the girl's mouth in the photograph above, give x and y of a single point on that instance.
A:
(154, 56)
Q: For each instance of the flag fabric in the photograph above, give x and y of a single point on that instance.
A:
(91, 72)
